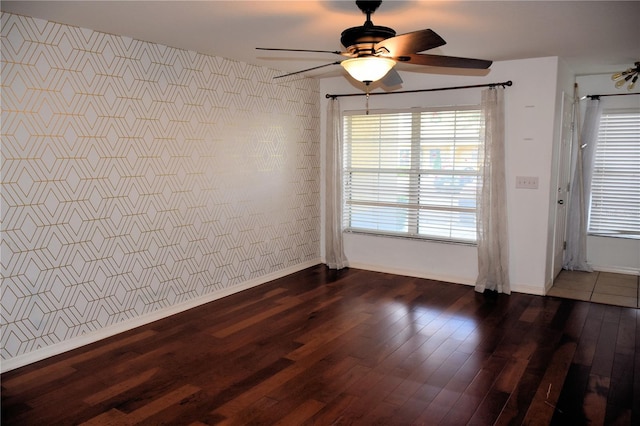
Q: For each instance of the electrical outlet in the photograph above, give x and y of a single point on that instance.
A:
(527, 182)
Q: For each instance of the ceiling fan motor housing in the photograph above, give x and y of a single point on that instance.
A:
(360, 41)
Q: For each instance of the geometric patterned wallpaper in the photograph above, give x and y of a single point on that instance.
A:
(137, 176)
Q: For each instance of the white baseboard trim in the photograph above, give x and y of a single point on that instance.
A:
(616, 270)
(518, 288)
(76, 342)
(528, 289)
(412, 273)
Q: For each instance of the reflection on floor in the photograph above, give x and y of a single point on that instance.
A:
(600, 287)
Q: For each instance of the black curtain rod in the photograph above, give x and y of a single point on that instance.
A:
(609, 94)
(504, 84)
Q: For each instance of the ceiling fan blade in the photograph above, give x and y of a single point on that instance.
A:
(413, 42)
(392, 78)
(308, 69)
(335, 52)
(444, 61)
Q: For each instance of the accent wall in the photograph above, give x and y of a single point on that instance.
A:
(139, 180)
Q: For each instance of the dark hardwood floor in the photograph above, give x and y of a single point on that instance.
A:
(349, 347)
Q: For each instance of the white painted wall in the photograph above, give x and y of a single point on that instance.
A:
(530, 111)
(604, 253)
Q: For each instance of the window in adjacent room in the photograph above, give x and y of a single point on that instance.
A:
(615, 186)
(413, 173)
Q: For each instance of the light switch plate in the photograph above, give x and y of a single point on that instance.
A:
(527, 182)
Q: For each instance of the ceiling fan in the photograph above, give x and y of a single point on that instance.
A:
(372, 51)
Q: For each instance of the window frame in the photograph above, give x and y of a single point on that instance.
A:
(416, 211)
(598, 195)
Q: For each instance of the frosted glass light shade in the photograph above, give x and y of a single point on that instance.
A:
(368, 68)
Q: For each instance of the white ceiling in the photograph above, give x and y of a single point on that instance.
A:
(591, 36)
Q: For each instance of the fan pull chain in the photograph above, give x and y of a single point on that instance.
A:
(367, 102)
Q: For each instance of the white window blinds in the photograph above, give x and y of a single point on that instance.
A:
(413, 173)
(615, 186)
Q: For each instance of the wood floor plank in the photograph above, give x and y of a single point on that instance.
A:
(620, 401)
(332, 413)
(570, 406)
(244, 417)
(589, 338)
(111, 417)
(322, 335)
(120, 387)
(490, 408)
(157, 405)
(604, 353)
(301, 413)
(258, 318)
(38, 377)
(438, 408)
(595, 400)
(322, 347)
(511, 374)
(520, 399)
(65, 363)
(265, 387)
(369, 391)
(545, 400)
(477, 391)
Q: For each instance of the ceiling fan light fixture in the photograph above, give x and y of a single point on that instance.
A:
(630, 75)
(368, 69)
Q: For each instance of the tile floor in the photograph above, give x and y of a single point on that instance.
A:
(600, 287)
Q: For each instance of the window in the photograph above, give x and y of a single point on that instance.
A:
(615, 186)
(413, 173)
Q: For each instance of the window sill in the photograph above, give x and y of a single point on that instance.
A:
(411, 238)
(622, 236)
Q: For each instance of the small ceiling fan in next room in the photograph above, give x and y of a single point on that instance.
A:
(371, 51)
